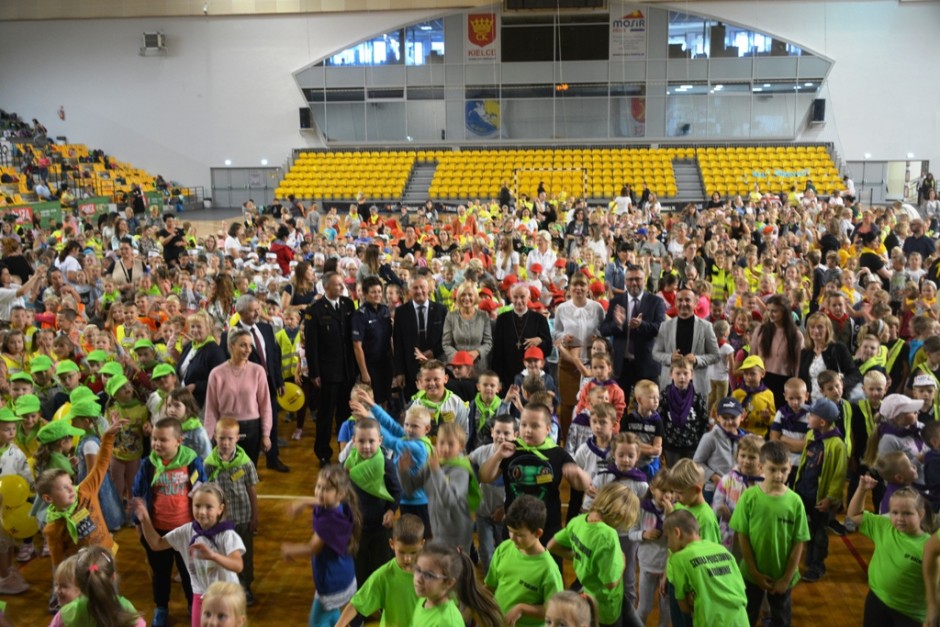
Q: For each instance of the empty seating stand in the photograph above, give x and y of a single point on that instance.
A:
(774, 169)
(378, 175)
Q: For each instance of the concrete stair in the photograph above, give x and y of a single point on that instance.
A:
(419, 182)
(689, 184)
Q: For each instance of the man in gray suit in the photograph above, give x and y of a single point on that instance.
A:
(684, 335)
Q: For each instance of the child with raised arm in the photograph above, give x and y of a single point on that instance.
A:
(391, 587)
(336, 528)
(208, 545)
(375, 481)
(230, 467)
(896, 576)
(898, 472)
(704, 575)
(523, 574)
(411, 438)
(492, 512)
(591, 541)
(451, 485)
(770, 525)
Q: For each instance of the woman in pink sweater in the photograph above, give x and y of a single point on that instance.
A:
(239, 389)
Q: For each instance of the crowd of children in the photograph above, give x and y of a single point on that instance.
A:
(705, 504)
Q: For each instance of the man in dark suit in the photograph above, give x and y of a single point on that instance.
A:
(633, 320)
(265, 352)
(514, 332)
(330, 361)
(418, 336)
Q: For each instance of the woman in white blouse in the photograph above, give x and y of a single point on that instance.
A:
(576, 323)
(507, 260)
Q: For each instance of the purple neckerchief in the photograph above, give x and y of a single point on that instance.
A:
(747, 480)
(647, 505)
(913, 432)
(819, 436)
(210, 533)
(583, 419)
(790, 420)
(749, 392)
(734, 437)
(634, 473)
(334, 525)
(600, 452)
(679, 404)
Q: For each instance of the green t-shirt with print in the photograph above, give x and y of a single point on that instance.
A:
(895, 573)
(443, 614)
(708, 570)
(772, 524)
(520, 578)
(707, 521)
(391, 590)
(598, 562)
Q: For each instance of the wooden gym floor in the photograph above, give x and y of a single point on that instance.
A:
(284, 590)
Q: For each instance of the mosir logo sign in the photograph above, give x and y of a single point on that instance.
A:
(634, 22)
(628, 35)
(481, 36)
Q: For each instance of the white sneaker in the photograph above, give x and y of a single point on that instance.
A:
(13, 584)
(26, 553)
(297, 434)
(45, 549)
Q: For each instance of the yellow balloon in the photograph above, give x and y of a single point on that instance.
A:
(292, 399)
(18, 523)
(14, 490)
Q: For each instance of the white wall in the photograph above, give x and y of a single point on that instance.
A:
(226, 89)
(883, 93)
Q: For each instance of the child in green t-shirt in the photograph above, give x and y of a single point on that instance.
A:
(571, 608)
(770, 524)
(592, 542)
(522, 573)
(705, 577)
(445, 577)
(391, 588)
(687, 481)
(896, 574)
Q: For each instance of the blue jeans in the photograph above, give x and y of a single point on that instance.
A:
(322, 617)
(490, 534)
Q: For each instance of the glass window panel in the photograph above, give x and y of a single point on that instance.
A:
(728, 115)
(528, 119)
(773, 115)
(423, 41)
(628, 116)
(582, 117)
(686, 116)
(426, 120)
(345, 121)
(385, 121)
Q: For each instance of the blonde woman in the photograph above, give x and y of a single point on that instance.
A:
(467, 328)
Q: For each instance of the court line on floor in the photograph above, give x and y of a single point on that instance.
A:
(858, 558)
(283, 497)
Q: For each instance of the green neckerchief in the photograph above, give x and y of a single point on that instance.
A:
(24, 438)
(434, 406)
(879, 360)
(190, 424)
(485, 411)
(53, 514)
(427, 442)
(58, 460)
(474, 495)
(198, 345)
(215, 460)
(4, 449)
(184, 457)
(368, 474)
(893, 354)
(536, 450)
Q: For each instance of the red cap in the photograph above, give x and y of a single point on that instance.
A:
(560, 263)
(536, 268)
(604, 303)
(462, 358)
(488, 305)
(598, 288)
(486, 292)
(508, 282)
(533, 353)
(534, 293)
(536, 305)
